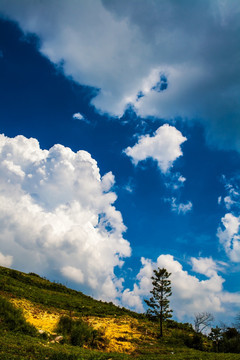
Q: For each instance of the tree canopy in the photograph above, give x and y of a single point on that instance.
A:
(159, 302)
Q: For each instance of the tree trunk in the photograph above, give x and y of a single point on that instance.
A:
(161, 323)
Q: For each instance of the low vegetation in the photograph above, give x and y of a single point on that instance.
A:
(43, 320)
(54, 295)
(77, 332)
(12, 319)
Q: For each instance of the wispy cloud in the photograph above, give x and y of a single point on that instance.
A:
(178, 207)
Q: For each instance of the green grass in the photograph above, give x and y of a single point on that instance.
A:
(21, 341)
(12, 319)
(15, 346)
(19, 346)
(50, 294)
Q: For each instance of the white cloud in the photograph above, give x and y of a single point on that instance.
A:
(228, 231)
(128, 188)
(232, 200)
(175, 181)
(229, 236)
(179, 208)
(108, 181)
(181, 179)
(184, 208)
(163, 146)
(57, 212)
(189, 294)
(134, 298)
(228, 201)
(205, 266)
(181, 69)
(78, 116)
(5, 260)
(73, 274)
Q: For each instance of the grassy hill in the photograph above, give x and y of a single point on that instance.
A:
(40, 320)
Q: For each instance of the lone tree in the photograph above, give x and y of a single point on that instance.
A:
(158, 302)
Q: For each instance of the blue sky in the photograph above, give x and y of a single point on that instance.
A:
(143, 98)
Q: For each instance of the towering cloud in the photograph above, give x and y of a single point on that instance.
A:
(58, 213)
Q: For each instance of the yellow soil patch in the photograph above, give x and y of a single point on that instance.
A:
(37, 316)
(120, 332)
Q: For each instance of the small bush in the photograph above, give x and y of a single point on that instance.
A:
(79, 333)
(195, 341)
(177, 338)
(12, 319)
(65, 325)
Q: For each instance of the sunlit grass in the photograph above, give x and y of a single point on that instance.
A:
(37, 316)
(121, 332)
(128, 335)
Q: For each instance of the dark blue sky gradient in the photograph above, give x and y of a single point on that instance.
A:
(37, 100)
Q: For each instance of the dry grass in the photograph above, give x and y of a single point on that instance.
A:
(122, 333)
(38, 316)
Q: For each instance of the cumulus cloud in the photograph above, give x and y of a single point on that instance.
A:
(228, 230)
(73, 274)
(57, 212)
(189, 294)
(229, 236)
(5, 260)
(184, 62)
(108, 180)
(78, 116)
(206, 266)
(163, 146)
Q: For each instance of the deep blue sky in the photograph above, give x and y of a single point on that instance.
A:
(38, 99)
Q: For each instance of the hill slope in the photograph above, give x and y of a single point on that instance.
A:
(50, 294)
(114, 332)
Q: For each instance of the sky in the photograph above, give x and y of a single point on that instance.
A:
(120, 148)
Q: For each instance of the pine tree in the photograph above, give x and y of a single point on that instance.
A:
(158, 302)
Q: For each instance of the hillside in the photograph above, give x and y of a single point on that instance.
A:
(103, 330)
